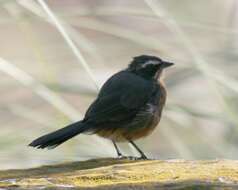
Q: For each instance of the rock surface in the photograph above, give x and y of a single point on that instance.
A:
(125, 174)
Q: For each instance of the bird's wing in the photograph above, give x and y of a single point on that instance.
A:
(120, 98)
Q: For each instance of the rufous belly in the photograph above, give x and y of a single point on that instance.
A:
(126, 133)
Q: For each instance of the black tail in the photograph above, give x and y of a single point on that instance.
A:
(56, 138)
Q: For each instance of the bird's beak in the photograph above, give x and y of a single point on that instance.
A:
(167, 64)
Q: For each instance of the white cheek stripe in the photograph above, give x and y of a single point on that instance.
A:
(150, 63)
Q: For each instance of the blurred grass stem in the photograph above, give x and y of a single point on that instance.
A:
(44, 92)
(67, 38)
(212, 74)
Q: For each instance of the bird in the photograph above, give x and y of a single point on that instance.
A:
(128, 107)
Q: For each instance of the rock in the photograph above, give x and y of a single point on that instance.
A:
(126, 174)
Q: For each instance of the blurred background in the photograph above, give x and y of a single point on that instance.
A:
(55, 54)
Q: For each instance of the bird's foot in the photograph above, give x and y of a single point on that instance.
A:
(121, 157)
(132, 157)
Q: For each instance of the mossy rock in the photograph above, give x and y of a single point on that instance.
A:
(125, 174)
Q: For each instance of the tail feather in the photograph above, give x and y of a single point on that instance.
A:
(58, 137)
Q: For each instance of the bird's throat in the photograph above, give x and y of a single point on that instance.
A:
(158, 74)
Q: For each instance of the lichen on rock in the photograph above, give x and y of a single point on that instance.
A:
(126, 174)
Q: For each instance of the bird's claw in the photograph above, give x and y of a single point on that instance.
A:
(132, 157)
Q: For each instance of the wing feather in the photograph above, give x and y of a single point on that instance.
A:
(120, 98)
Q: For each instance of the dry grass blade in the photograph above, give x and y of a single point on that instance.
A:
(67, 38)
(44, 92)
(126, 33)
(81, 40)
(30, 114)
(199, 61)
(176, 142)
(179, 34)
(108, 28)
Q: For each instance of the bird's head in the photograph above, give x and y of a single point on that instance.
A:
(149, 67)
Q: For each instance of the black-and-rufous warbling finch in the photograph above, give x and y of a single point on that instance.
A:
(128, 107)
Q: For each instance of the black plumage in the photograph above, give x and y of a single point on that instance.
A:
(128, 106)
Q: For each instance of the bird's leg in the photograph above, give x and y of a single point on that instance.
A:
(119, 154)
(143, 156)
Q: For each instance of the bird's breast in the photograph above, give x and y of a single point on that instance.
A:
(150, 116)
